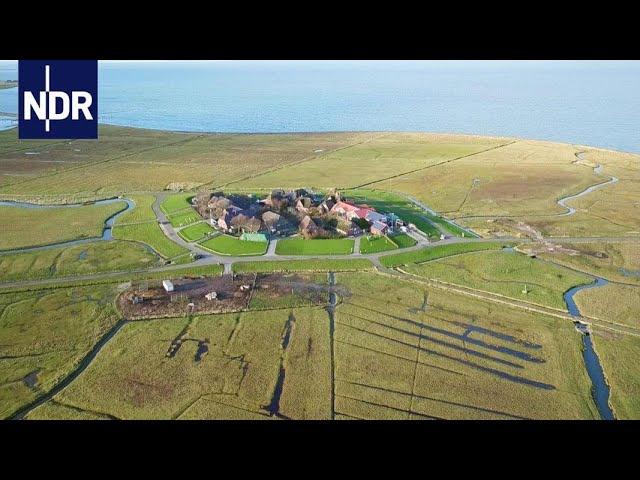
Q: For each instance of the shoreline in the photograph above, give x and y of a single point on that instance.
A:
(413, 132)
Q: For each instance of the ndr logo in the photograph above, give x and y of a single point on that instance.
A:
(58, 99)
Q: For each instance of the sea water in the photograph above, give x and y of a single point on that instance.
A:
(582, 102)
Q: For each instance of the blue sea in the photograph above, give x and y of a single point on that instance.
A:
(585, 102)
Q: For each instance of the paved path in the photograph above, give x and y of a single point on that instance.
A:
(356, 246)
(271, 251)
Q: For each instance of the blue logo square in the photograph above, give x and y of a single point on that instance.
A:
(58, 99)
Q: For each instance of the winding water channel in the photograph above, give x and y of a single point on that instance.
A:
(598, 171)
(599, 389)
(107, 232)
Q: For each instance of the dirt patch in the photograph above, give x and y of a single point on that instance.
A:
(191, 295)
(272, 287)
(220, 294)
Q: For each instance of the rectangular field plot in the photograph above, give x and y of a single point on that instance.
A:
(510, 274)
(219, 366)
(228, 245)
(195, 232)
(300, 246)
(176, 203)
(29, 227)
(82, 259)
(376, 244)
(381, 156)
(402, 352)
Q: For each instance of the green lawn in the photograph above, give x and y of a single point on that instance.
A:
(82, 259)
(403, 240)
(227, 245)
(176, 203)
(152, 235)
(431, 253)
(300, 246)
(505, 274)
(141, 213)
(452, 229)
(27, 227)
(375, 244)
(195, 232)
(313, 265)
(184, 218)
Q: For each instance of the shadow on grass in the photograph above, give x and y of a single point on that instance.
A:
(447, 402)
(462, 337)
(491, 371)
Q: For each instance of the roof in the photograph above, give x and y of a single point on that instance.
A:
(362, 212)
(254, 237)
(308, 223)
(347, 207)
(376, 217)
(379, 226)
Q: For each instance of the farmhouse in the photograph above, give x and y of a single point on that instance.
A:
(345, 210)
(285, 212)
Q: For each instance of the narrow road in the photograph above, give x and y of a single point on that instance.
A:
(227, 261)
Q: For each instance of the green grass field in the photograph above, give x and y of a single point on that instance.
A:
(195, 232)
(402, 240)
(176, 203)
(505, 274)
(152, 235)
(403, 352)
(314, 265)
(613, 302)
(141, 213)
(619, 355)
(153, 160)
(437, 251)
(618, 261)
(398, 346)
(376, 244)
(300, 246)
(235, 379)
(184, 218)
(44, 335)
(26, 227)
(228, 245)
(82, 259)
(382, 156)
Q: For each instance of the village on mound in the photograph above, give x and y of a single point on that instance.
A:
(297, 211)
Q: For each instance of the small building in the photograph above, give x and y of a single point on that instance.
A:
(211, 296)
(168, 285)
(379, 228)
